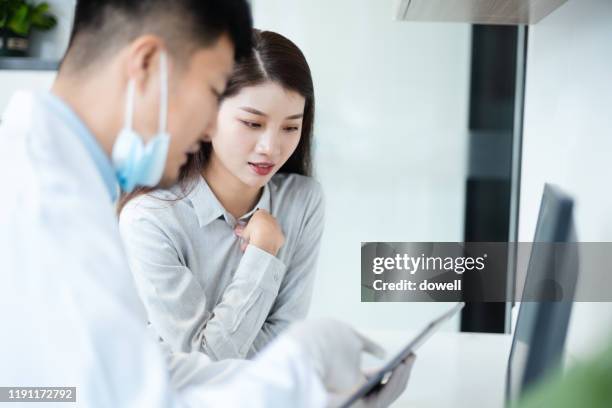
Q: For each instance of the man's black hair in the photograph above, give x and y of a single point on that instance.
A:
(102, 26)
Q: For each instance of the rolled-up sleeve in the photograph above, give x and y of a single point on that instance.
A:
(295, 294)
(244, 307)
(176, 301)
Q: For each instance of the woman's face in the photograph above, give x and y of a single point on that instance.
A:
(257, 131)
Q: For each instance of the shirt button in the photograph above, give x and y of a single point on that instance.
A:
(276, 277)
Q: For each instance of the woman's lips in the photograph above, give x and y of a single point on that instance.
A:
(261, 169)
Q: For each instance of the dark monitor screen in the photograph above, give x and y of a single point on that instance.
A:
(541, 327)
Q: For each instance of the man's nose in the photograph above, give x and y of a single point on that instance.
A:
(210, 129)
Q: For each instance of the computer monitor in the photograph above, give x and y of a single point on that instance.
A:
(541, 327)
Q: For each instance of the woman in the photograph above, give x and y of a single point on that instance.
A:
(226, 261)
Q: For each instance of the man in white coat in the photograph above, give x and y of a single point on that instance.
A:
(135, 94)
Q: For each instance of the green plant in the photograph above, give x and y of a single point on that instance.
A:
(21, 16)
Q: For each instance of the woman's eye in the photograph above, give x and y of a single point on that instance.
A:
(251, 125)
(292, 128)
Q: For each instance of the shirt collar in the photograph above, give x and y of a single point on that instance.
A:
(100, 158)
(208, 208)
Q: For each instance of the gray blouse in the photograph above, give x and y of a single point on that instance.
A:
(200, 290)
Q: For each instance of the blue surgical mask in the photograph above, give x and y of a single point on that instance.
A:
(138, 163)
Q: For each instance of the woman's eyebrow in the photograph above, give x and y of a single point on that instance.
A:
(260, 113)
(253, 111)
(296, 116)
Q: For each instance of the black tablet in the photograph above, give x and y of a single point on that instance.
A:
(379, 378)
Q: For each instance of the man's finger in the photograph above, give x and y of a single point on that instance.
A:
(401, 374)
(394, 387)
(410, 359)
(370, 346)
(399, 377)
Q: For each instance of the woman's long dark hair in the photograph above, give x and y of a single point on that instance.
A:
(274, 58)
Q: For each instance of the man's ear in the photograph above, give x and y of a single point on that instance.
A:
(143, 61)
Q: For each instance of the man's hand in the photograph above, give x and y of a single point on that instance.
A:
(394, 387)
(382, 396)
(335, 351)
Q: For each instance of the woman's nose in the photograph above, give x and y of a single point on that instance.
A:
(268, 144)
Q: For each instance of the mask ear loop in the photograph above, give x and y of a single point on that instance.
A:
(129, 105)
(163, 103)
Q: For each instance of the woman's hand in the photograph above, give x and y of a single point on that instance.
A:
(263, 231)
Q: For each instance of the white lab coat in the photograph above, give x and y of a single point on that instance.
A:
(69, 311)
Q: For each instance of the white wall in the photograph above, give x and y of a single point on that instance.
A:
(52, 44)
(390, 131)
(391, 138)
(568, 134)
(49, 45)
